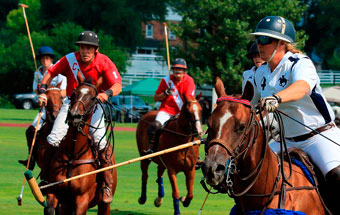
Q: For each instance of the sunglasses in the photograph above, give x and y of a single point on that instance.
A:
(264, 40)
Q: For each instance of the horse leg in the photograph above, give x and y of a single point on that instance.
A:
(82, 204)
(144, 165)
(159, 200)
(189, 179)
(175, 191)
(52, 203)
(103, 208)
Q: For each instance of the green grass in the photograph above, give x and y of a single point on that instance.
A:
(13, 147)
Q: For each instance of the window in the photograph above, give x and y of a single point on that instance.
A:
(149, 31)
(172, 35)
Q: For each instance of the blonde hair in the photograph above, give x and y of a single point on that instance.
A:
(290, 47)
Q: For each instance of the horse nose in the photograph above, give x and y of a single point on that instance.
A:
(214, 173)
(199, 128)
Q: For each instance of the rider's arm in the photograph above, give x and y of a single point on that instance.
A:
(159, 96)
(294, 92)
(114, 90)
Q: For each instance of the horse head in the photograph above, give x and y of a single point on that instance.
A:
(227, 134)
(83, 101)
(192, 111)
(54, 101)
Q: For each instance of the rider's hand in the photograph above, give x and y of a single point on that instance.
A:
(103, 97)
(167, 92)
(271, 103)
(42, 99)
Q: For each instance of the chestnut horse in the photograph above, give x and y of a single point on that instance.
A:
(239, 159)
(179, 131)
(77, 155)
(54, 103)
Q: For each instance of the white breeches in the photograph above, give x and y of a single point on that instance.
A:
(60, 126)
(324, 153)
(162, 117)
(42, 119)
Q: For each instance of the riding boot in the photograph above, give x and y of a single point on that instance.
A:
(105, 161)
(154, 128)
(29, 137)
(333, 184)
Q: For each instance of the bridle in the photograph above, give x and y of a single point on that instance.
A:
(251, 132)
(192, 123)
(81, 118)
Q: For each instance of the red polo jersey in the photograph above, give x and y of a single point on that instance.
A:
(185, 87)
(100, 66)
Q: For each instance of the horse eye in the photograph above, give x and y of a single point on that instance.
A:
(239, 127)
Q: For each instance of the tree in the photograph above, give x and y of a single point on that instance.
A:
(214, 35)
(16, 61)
(120, 18)
(321, 22)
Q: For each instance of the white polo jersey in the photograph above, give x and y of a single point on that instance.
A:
(38, 76)
(248, 77)
(312, 110)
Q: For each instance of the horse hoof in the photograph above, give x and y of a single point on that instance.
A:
(184, 201)
(141, 200)
(158, 202)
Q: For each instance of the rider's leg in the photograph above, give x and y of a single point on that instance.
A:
(154, 128)
(29, 137)
(333, 184)
(105, 151)
(60, 125)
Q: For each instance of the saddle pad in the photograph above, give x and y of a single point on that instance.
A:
(304, 170)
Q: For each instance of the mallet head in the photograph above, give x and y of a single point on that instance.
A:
(23, 5)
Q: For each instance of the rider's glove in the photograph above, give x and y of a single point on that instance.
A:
(42, 100)
(271, 103)
(167, 92)
(42, 89)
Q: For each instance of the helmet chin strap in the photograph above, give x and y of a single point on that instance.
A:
(274, 52)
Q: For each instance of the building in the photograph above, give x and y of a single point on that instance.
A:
(146, 62)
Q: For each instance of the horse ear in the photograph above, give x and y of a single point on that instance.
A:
(248, 92)
(219, 88)
(198, 97)
(58, 85)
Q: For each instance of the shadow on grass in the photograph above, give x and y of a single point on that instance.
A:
(116, 211)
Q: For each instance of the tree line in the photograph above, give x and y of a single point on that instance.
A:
(213, 33)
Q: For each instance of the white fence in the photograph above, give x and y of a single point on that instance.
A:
(329, 76)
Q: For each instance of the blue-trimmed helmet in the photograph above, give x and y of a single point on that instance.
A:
(88, 38)
(252, 50)
(276, 27)
(179, 63)
(45, 50)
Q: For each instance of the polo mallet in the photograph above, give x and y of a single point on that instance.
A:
(23, 6)
(19, 198)
(37, 192)
(205, 199)
(167, 44)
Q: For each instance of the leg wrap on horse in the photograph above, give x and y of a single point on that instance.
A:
(333, 183)
(176, 207)
(29, 137)
(154, 128)
(160, 187)
(105, 161)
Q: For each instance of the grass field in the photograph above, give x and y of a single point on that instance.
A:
(13, 147)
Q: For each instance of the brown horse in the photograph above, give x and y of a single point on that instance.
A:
(76, 155)
(179, 131)
(54, 102)
(240, 161)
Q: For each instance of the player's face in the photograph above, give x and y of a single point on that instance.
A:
(257, 60)
(267, 50)
(178, 73)
(46, 61)
(87, 53)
